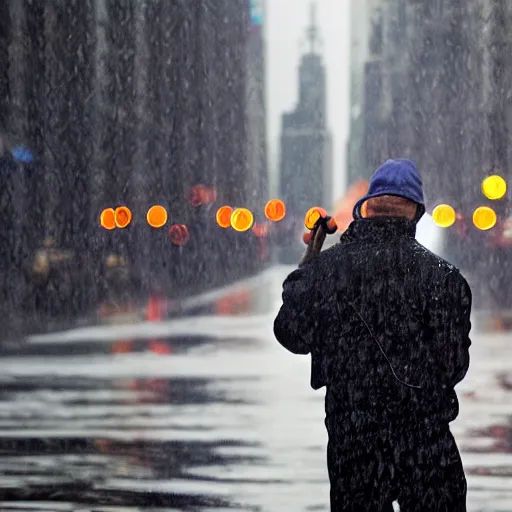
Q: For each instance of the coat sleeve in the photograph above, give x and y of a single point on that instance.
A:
(451, 325)
(298, 322)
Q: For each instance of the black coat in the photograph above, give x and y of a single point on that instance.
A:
(387, 325)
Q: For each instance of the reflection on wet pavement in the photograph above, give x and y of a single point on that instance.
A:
(223, 419)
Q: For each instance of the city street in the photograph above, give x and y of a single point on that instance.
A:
(206, 412)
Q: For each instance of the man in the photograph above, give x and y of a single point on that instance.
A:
(387, 325)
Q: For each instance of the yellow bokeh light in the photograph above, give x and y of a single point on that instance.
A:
(242, 219)
(484, 218)
(313, 215)
(444, 215)
(494, 187)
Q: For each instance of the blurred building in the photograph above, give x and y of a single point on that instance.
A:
(430, 82)
(306, 146)
(135, 103)
(417, 77)
(365, 82)
(257, 182)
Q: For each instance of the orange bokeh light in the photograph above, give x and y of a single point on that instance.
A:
(156, 216)
(275, 210)
(224, 216)
(108, 219)
(123, 216)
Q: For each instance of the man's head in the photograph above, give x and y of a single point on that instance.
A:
(391, 206)
(396, 190)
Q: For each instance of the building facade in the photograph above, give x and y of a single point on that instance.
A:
(306, 159)
(365, 82)
(432, 83)
(257, 176)
(128, 102)
(418, 89)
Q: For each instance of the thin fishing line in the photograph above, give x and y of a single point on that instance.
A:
(414, 386)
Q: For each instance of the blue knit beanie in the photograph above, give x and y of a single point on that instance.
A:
(395, 178)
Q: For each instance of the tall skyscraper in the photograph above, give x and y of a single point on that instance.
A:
(257, 177)
(306, 160)
(365, 86)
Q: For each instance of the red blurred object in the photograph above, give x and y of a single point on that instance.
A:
(179, 234)
(210, 195)
(159, 347)
(260, 230)
(235, 303)
(155, 313)
(460, 226)
(122, 347)
(200, 194)
(155, 310)
(345, 205)
(503, 233)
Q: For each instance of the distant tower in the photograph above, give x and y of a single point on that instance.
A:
(306, 161)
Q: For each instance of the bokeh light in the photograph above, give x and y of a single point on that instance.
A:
(444, 216)
(494, 187)
(242, 219)
(275, 210)
(157, 216)
(260, 230)
(108, 219)
(484, 218)
(224, 216)
(123, 216)
(201, 194)
(179, 234)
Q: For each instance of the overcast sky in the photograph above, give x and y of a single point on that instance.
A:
(286, 22)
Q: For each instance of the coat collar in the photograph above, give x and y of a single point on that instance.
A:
(379, 229)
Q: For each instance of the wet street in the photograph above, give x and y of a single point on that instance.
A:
(205, 413)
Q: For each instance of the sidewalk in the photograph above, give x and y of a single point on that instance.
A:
(242, 297)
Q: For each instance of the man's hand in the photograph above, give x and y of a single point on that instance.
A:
(315, 245)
